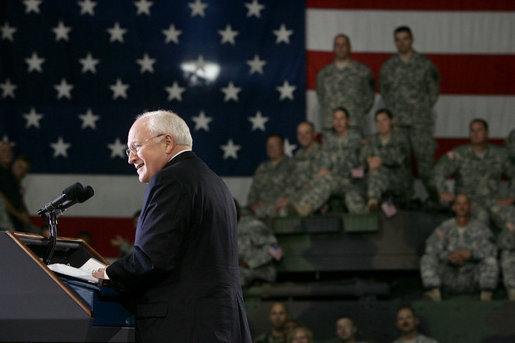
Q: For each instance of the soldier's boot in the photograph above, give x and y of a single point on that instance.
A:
(511, 294)
(486, 295)
(373, 205)
(433, 295)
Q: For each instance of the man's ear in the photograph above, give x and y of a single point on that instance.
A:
(170, 143)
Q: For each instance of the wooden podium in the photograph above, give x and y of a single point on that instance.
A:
(36, 305)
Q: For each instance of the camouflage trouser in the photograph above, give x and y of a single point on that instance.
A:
(423, 146)
(383, 180)
(506, 243)
(318, 191)
(467, 278)
(483, 210)
(264, 273)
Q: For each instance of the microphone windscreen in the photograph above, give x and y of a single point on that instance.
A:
(74, 191)
(86, 194)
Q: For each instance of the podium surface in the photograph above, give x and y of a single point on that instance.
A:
(36, 305)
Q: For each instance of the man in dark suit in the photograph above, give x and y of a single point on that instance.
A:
(183, 270)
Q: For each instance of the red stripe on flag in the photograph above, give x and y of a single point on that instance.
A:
(438, 5)
(461, 74)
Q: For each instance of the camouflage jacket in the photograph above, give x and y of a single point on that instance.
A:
(446, 238)
(306, 165)
(510, 146)
(269, 181)
(420, 339)
(341, 154)
(254, 240)
(395, 154)
(351, 87)
(410, 89)
(474, 176)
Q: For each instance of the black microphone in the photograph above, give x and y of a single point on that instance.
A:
(85, 195)
(70, 194)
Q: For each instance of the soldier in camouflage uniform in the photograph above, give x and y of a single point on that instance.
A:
(387, 155)
(255, 240)
(460, 255)
(409, 85)
(340, 157)
(345, 83)
(407, 322)
(270, 179)
(278, 317)
(510, 146)
(477, 168)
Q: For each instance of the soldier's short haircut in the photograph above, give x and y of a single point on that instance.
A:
(276, 135)
(479, 120)
(25, 158)
(341, 35)
(307, 123)
(349, 318)
(406, 307)
(462, 195)
(343, 109)
(403, 28)
(386, 111)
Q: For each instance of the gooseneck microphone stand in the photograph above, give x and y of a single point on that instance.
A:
(51, 219)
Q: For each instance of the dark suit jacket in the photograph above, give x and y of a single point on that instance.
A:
(183, 271)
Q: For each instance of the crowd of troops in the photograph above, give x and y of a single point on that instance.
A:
(365, 173)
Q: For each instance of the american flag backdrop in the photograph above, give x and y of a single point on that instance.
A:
(73, 75)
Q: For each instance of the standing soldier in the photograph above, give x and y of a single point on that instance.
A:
(477, 168)
(345, 83)
(270, 179)
(409, 85)
(460, 256)
(387, 155)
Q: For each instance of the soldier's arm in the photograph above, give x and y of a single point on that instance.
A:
(433, 83)
(253, 196)
(483, 245)
(398, 157)
(435, 244)
(509, 171)
(319, 87)
(369, 94)
(262, 237)
(445, 167)
(385, 84)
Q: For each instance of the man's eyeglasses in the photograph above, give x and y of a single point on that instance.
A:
(135, 147)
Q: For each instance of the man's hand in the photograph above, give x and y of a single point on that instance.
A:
(256, 206)
(459, 256)
(281, 203)
(99, 273)
(446, 196)
(323, 173)
(506, 201)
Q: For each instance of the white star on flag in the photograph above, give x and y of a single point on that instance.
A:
(254, 8)
(143, 6)
(200, 63)
(60, 147)
(283, 35)
(117, 149)
(87, 7)
(119, 89)
(289, 148)
(228, 35)
(286, 90)
(230, 150)
(89, 119)
(172, 34)
(34, 63)
(146, 63)
(63, 89)
(175, 92)
(32, 118)
(61, 31)
(32, 5)
(116, 33)
(231, 92)
(8, 31)
(258, 122)
(8, 89)
(256, 65)
(89, 63)
(197, 7)
(201, 121)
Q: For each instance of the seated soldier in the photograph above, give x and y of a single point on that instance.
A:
(460, 256)
(257, 250)
(477, 168)
(346, 330)
(300, 334)
(387, 155)
(270, 179)
(340, 157)
(278, 317)
(407, 323)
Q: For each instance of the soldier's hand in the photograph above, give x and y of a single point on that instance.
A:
(447, 196)
(454, 257)
(506, 201)
(374, 162)
(323, 173)
(281, 203)
(256, 206)
(464, 255)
